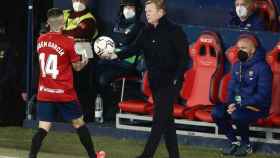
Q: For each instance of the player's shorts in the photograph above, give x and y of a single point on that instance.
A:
(47, 111)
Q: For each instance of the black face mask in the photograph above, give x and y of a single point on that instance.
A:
(242, 55)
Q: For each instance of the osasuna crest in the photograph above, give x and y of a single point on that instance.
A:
(2, 54)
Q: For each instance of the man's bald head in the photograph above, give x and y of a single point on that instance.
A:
(247, 45)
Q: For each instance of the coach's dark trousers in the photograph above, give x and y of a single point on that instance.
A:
(163, 122)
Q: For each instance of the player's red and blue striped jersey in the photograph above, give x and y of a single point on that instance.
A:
(56, 55)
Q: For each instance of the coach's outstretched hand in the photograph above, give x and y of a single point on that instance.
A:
(109, 56)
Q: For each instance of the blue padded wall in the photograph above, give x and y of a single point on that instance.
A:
(194, 15)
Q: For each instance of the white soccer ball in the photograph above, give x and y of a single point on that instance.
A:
(104, 46)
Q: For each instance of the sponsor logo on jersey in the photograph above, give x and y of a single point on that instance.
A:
(50, 90)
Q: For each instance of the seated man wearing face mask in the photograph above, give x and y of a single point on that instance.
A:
(249, 96)
(125, 31)
(246, 17)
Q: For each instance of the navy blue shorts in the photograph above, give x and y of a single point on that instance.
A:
(47, 111)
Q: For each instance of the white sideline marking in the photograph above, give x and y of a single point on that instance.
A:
(7, 157)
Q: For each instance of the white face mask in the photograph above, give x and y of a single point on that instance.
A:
(78, 6)
(128, 13)
(241, 11)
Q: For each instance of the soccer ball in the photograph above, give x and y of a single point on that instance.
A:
(104, 46)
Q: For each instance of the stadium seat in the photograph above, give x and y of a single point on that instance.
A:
(139, 106)
(231, 55)
(273, 59)
(268, 11)
(205, 114)
(146, 106)
(124, 79)
(178, 110)
(201, 85)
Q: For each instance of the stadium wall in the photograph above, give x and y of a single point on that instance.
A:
(194, 15)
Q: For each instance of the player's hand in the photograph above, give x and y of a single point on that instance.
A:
(231, 108)
(84, 61)
(84, 58)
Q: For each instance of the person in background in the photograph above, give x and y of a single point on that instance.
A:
(125, 31)
(81, 24)
(245, 17)
(249, 96)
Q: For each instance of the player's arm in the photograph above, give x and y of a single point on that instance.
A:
(79, 65)
(78, 61)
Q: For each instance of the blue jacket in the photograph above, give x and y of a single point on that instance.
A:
(253, 23)
(255, 87)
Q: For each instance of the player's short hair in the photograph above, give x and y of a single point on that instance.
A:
(55, 16)
(160, 4)
(54, 13)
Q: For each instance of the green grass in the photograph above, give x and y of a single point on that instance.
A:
(16, 141)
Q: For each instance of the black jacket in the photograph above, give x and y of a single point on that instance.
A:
(165, 52)
(125, 31)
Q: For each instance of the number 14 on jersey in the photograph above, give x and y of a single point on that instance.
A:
(49, 66)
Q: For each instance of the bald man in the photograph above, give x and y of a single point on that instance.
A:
(249, 96)
(245, 16)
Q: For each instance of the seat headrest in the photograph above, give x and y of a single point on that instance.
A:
(274, 55)
(207, 42)
(266, 7)
(231, 54)
(269, 12)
